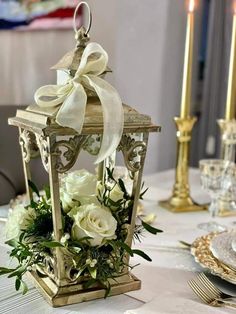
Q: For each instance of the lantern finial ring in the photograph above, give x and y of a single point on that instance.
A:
(90, 17)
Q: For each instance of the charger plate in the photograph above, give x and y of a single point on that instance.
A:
(221, 248)
(201, 250)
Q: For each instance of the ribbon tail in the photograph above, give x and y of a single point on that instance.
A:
(47, 96)
(72, 111)
(113, 116)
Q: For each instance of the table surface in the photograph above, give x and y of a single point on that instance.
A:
(172, 265)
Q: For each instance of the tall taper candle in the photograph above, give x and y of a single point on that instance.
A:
(231, 92)
(188, 60)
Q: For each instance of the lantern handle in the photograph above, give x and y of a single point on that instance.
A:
(90, 17)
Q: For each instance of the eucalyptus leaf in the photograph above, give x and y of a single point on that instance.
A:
(12, 242)
(17, 284)
(21, 237)
(33, 204)
(4, 270)
(93, 272)
(122, 186)
(142, 193)
(51, 244)
(142, 254)
(47, 191)
(33, 187)
(108, 290)
(110, 173)
(24, 286)
(125, 247)
(150, 229)
(115, 204)
(18, 271)
(89, 283)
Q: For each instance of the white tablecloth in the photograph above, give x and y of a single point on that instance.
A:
(166, 277)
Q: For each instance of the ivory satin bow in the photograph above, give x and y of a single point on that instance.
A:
(71, 96)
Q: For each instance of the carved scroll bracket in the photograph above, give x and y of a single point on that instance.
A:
(133, 151)
(67, 152)
(44, 149)
(30, 149)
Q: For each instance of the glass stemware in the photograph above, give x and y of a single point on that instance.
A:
(230, 187)
(215, 179)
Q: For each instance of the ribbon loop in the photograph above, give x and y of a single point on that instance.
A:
(72, 99)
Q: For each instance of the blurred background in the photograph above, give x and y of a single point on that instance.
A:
(145, 41)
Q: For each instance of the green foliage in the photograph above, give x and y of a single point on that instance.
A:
(33, 188)
(51, 244)
(99, 263)
(142, 254)
(150, 228)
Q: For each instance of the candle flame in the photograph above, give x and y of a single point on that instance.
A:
(191, 5)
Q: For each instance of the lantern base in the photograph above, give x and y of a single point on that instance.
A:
(186, 205)
(61, 296)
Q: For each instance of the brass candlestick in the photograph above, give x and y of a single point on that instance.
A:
(181, 201)
(228, 125)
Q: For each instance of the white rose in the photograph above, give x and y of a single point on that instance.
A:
(77, 187)
(116, 194)
(95, 222)
(18, 219)
(67, 201)
(80, 183)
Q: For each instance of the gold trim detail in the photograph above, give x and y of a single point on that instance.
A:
(201, 251)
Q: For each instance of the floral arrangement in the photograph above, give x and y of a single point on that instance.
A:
(95, 219)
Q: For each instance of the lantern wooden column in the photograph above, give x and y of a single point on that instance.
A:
(137, 182)
(25, 161)
(56, 207)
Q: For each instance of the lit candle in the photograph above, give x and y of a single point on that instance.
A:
(188, 60)
(230, 102)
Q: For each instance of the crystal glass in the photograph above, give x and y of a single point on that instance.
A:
(230, 187)
(215, 179)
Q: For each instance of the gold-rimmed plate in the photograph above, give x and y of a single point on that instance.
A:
(221, 248)
(201, 250)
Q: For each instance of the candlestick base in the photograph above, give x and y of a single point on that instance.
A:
(177, 205)
(181, 200)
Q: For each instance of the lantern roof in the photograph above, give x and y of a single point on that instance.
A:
(39, 120)
(43, 120)
(71, 60)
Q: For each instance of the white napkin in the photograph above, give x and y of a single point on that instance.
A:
(169, 304)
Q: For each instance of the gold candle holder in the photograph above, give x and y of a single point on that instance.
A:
(228, 125)
(181, 201)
